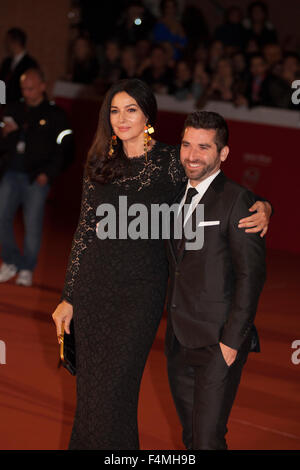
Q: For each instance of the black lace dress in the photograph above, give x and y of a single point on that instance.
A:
(117, 288)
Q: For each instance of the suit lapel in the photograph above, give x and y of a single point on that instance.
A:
(214, 188)
(208, 197)
(172, 231)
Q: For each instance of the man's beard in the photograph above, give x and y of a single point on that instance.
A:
(202, 173)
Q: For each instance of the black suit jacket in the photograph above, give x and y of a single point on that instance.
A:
(12, 78)
(213, 291)
(40, 125)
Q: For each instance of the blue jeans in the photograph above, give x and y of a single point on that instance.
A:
(16, 190)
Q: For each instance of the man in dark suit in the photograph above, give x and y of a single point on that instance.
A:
(17, 62)
(214, 290)
(36, 145)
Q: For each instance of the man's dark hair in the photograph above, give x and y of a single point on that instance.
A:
(210, 121)
(36, 70)
(17, 35)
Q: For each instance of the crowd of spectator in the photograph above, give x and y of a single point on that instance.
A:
(241, 61)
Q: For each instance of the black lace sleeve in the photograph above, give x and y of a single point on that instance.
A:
(176, 170)
(84, 234)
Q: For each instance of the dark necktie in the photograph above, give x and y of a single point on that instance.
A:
(189, 196)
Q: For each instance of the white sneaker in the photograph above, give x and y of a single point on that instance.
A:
(24, 278)
(7, 271)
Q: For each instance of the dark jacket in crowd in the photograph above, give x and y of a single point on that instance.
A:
(273, 91)
(39, 145)
(12, 77)
(164, 80)
(85, 72)
(232, 34)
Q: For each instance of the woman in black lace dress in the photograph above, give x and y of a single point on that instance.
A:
(115, 287)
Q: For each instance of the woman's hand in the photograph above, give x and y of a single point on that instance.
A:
(258, 221)
(62, 313)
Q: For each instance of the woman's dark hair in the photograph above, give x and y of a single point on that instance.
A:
(210, 121)
(99, 166)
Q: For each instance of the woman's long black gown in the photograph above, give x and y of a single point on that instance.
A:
(117, 288)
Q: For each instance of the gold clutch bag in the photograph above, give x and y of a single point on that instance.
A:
(67, 348)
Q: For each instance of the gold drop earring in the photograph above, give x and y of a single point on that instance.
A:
(148, 129)
(113, 143)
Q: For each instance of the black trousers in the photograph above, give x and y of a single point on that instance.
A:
(204, 388)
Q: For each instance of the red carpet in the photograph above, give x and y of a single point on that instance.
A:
(37, 400)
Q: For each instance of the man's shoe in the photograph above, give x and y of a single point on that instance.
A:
(7, 271)
(24, 278)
